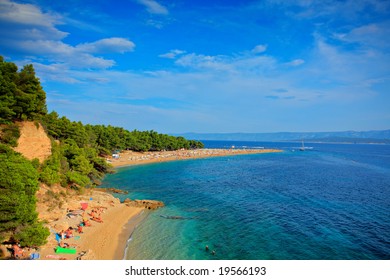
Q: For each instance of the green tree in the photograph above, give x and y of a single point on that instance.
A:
(8, 76)
(21, 93)
(30, 97)
(18, 185)
(34, 234)
(9, 134)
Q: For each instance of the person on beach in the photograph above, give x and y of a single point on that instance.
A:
(69, 232)
(17, 251)
(96, 218)
(79, 229)
(64, 244)
(86, 222)
(67, 245)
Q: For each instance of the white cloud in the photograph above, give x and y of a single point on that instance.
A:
(28, 21)
(172, 54)
(295, 62)
(259, 49)
(60, 52)
(154, 7)
(26, 14)
(108, 45)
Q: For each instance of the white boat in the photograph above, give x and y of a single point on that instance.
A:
(303, 148)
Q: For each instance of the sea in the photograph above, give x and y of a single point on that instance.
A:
(328, 202)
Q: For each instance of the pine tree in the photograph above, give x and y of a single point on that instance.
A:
(8, 89)
(21, 94)
(30, 97)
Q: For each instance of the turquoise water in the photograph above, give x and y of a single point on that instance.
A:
(329, 203)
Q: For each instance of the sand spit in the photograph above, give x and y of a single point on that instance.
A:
(135, 158)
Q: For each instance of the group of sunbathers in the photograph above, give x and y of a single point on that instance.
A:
(66, 234)
(96, 214)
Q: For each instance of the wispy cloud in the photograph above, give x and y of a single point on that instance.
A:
(349, 9)
(26, 14)
(259, 49)
(295, 62)
(154, 7)
(155, 23)
(373, 35)
(172, 54)
(80, 56)
(28, 21)
(200, 61)
(247, 62)
(108, 45)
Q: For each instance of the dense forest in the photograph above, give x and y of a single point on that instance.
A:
(77, 159)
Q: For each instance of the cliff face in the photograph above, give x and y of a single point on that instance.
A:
(33, 141)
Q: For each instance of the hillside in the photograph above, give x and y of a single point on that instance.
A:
(33, 141)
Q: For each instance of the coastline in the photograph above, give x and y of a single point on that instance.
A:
(128, 158)
(126, 234)
(109, 240)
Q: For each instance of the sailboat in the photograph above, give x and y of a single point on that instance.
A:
(303, 148)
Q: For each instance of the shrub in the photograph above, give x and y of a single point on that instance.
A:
(33, 235)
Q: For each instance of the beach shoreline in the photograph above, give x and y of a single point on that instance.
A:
(129, 158)
(126, 234)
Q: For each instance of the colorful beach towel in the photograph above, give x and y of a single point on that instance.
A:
(58, 238)
(60, 250)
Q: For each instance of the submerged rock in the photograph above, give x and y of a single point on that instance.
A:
(112, 190)
(147, 204)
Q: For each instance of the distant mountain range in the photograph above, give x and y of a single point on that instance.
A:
(374, 136)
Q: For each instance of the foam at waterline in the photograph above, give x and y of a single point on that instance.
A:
(134, 223)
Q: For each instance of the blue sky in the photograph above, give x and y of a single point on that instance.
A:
(208, 66)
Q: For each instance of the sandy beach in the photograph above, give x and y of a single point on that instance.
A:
(107, 240)
(135, 158)
(100, 241)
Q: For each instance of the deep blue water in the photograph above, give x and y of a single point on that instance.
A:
(332, 202)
